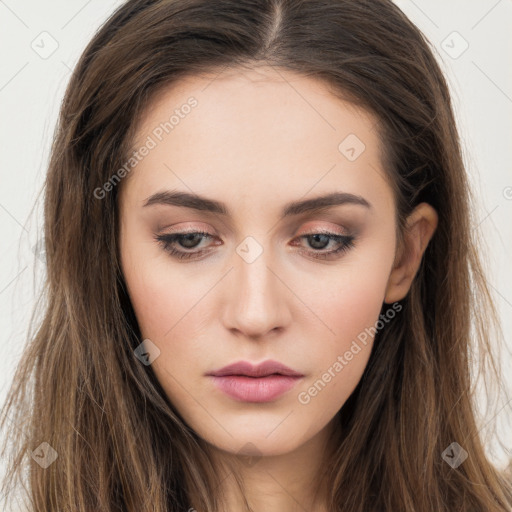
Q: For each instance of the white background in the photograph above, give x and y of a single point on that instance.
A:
(31, 88)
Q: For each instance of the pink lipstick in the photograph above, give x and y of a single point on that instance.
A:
(246, 382)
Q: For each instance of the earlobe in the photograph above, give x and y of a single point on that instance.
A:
(420, 227)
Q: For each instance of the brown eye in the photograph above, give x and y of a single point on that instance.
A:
(190, 240)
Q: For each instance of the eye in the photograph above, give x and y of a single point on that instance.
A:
(189, 240)
(192, 239)
(321, 240)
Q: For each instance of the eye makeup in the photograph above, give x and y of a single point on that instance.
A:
(179, 245)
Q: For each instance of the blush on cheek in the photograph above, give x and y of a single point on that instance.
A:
(350, 313)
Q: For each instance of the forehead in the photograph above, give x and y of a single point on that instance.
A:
(254, 132)
(256, 102)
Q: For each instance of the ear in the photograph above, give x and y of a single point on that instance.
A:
(420, 227)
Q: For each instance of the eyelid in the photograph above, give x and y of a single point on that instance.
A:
(309, 226)
(176, 229)
(313, 228)
(327, 231)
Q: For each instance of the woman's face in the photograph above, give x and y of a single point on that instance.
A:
(241, 159)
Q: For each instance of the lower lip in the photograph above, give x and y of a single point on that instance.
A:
(255, 389)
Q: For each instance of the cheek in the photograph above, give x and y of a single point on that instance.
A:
(341, 353)
(168, 313)
(162, 297)
(170, 306)
(349, 304)
(154, 301)
(350, 300)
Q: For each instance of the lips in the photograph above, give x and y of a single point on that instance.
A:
(244, 368)
(245, 382)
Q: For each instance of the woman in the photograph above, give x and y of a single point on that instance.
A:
(261, 271)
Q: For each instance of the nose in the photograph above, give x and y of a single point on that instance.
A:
(257, 299)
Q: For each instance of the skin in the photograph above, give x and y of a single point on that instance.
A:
(256, 141)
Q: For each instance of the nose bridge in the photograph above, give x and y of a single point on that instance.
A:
(257, 303)
(251, 268)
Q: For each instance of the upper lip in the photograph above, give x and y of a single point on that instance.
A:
(260, 370)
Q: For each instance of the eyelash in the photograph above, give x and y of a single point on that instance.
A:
(167, 241)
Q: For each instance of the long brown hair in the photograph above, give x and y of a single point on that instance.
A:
(120, 443)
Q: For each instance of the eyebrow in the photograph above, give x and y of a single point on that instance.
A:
(200, 203)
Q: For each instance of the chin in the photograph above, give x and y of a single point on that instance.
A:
(258, 441)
